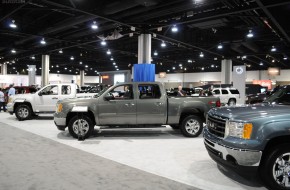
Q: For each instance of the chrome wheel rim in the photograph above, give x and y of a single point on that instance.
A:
(23, 112)
(81, 127)
(281, 170)
(231, 103)
(192, 126)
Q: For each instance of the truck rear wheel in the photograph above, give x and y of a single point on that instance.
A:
(80, 126)
(275, 169)
(23, 112)
(191, 126)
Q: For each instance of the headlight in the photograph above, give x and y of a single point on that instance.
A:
(58, 108)
(238, 129)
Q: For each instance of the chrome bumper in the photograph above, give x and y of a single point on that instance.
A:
(60, 121)
(241, 157)
(10, 107)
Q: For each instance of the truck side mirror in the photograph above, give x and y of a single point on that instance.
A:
(40, 93)
(109, 97)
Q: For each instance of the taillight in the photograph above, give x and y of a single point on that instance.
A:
(218, 103)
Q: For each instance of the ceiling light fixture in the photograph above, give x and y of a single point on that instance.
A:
(72, 58)
(109, 52)
(174, 28)
(250, 34)
(114, 63)
(168, 71)
(60, 51)
(103, 43)
(261, 63)
(285, 58)
(33, 57)
(155, 53)
(201, 54)
(86, 66)
(43, 42)
(94, 26)
(189, 61)
(163, 44)
(112, 59)
(273, 49)
(13, 51)
(220, 46)
(12, 24)
(117, 69)
(81, 63)
(173, 68)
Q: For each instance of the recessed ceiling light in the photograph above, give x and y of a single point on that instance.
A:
(202, 68)
(168, 70)
(112, 59)
(81, 63)
(94, 26)
(261, 63)
(12, 24)
(72, 58)
(116, 66)
(60, 51)
(285, 58)
(65, 68)
(220, 46)
(13, 51)
(180, 65)
(33, 57)
(109, 52)
(117, 69)
(189, 61)
(57, 66)
(58, 71)
(114, 63)
(212, 65)
(173, 68)
(86, 66)
(163, 44)
(155, 53)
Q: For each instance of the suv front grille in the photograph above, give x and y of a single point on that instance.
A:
(216, 125)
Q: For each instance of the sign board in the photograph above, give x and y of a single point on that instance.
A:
(273, 71)
(162, 75)
(265, 83)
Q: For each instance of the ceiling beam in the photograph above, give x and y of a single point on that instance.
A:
(267, 12)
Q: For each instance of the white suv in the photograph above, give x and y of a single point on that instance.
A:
(227, 96)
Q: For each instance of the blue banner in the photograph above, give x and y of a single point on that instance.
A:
(144, 73)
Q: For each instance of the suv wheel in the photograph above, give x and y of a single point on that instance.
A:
(23, 112)
(80, 126)
(232, 102)
(275, 169)
(191, 126)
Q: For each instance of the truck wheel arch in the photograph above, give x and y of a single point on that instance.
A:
(194, 111)
(22, 103)
(90, 114)
(273, 143)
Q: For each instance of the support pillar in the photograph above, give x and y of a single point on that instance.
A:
(3, 69)
(31, 74)
(226, 71)
(82, 77)
(44, 70)
(239, 82)
(144, 70)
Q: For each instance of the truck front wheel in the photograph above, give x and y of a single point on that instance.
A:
(80, 126)
(191, 126)
(275, 169)
(23, 112)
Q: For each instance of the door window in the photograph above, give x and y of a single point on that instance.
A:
(216, 91)
(65, 90)
(122, 92)
(151, 91)
(50, 90)
(225, 92)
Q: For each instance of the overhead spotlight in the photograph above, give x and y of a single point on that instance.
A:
(65, 68)
(96, 71)
(33, 57)
(94, 26)
(114, 63)
(81, 63)
(103, 43)
(185, 69)
(220, 46)
(201, 54)
(189, 61)
(173, 68)
(168, 71)
(72, 58)
(109, 52)
(163, 44)
(116, 66)
(57, 66)
(69, 70)
(39, 68)
(155, 53)
(273, 49)
(202, 68)
(180, 65)
(112, 59)
(250, 34)
(13, 51)
(57, 71)
(273, 61)
(117, 69)
(12, 24)
(43, 42)
(212, 66)
(174, 28)
(244, 57)
(261, 63)
(86, 66)
(60, 51)
(285, 58)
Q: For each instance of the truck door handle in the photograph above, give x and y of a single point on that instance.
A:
(54, 98)
(158, 103)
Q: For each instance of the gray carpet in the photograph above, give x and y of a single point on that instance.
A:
(31, 162)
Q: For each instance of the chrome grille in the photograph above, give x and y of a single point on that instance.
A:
(216, 125)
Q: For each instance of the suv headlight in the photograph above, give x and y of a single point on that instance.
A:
(58, 108)
(238, 129)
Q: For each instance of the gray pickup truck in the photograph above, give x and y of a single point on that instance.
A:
(253, 137)
(133, 105)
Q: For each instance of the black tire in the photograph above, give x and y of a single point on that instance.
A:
(269, 165)
(86, 130)
(191, 126)
(232, 102)
(175, 126)
(23, 112)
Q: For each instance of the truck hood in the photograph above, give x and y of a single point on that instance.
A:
(20, 96)
(251, 112)
(78, 101)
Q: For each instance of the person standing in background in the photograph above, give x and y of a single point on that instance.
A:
(180, 91)
(2, 101)
(11, 90)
